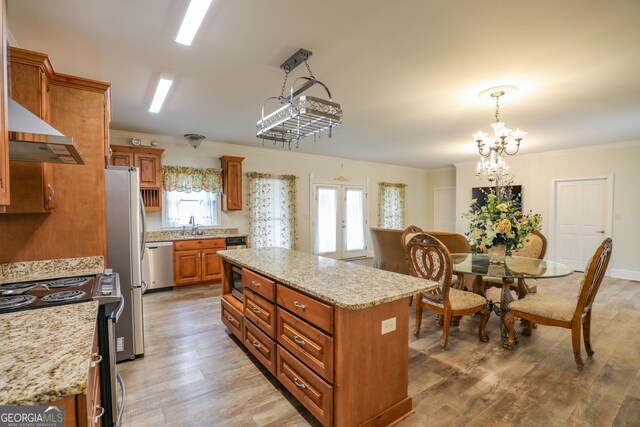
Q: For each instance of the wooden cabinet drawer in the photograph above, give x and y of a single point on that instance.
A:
(262, 347)
(259, 284)
(185, 245)
(232, 318)
(312, 391)
(307, 343)
(313, 311)
(261, 312)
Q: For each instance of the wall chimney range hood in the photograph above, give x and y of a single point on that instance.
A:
(31, 139)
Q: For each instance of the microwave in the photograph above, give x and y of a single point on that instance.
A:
(236, 283)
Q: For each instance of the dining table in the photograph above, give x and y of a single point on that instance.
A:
(514, 269)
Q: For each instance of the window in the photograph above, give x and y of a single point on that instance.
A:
(391, 205)
(204, 206)
(272, 210)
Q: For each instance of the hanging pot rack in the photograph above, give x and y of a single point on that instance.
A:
(300, 116)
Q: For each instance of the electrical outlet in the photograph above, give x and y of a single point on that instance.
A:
(388, 325)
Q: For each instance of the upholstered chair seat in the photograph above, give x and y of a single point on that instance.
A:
(546, 306)
(460, 300)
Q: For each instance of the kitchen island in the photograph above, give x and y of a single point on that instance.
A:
(335, 334)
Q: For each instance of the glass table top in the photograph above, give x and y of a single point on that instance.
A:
(514, 267)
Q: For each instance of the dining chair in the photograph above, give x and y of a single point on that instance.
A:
(552, 310)
(429, 259)
(536, 249)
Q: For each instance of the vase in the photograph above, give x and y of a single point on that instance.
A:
(497, 254)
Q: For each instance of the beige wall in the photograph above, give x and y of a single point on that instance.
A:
(535, 173)
(178, 152)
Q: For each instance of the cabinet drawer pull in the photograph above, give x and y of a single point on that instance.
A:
(255, 310)
(230, 319)
(101, 409)
(298, 383)
(298, 305)
(254, 283)
(299, 340)
(255, 344)
(95, 359)
(52, 192)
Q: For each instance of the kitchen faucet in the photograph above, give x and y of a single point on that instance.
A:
(192, 223)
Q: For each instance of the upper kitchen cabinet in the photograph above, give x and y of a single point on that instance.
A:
(149, 161)
(4, 133)
(75, 107)
(30, 75)
(232, 181)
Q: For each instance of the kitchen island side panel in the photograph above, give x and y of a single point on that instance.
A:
(371, 368)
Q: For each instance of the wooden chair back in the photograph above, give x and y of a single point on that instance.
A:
(407, 235)
(593, 276)
(536, 249)
(430, 259)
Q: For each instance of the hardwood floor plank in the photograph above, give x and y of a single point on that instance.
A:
(196, 373)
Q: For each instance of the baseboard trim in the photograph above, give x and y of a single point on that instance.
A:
(619, 273)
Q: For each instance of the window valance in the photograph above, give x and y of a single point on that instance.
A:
(188, 179)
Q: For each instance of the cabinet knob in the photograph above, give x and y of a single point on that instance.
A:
(95, 359)
(254, 283)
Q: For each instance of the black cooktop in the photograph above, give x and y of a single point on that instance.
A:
(46, 293)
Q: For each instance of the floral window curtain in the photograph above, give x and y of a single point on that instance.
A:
(391, 205)
(272, 210)
(186, 179)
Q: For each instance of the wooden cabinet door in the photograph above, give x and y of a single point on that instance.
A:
(149, 165)
(187, 267)
(120, 158)
(234, 186)
(211, 264)
(4, 135)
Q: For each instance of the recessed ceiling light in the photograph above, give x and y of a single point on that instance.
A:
(192, 20)
(161, 93)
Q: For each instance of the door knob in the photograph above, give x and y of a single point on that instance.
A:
(600, 231)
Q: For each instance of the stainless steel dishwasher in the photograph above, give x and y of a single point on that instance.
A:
(157, 268)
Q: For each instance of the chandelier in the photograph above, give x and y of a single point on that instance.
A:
(300, 116)
(492, 164)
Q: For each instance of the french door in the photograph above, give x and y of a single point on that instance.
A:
(339, 224)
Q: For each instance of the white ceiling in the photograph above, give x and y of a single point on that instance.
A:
(407, 73)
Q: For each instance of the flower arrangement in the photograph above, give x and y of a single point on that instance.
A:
(500, 223)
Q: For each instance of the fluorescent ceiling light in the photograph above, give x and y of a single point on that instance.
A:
(161, 93)
(192, 20)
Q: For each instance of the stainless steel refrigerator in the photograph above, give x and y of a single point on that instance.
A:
(125, 249)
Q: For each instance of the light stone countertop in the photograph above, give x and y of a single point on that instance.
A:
(343, 284)
(46, 353)
(50, 269)
(208, 233)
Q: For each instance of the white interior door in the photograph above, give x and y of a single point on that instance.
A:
(339, 220)
(444, 209)
(582, 219)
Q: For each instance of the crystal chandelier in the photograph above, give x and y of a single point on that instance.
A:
(492, 167)
(300, 116)
(505, 138)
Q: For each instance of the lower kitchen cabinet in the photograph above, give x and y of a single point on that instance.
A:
(197, 261)
(85, 410)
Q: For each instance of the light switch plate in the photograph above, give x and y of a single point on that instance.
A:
(388, 325)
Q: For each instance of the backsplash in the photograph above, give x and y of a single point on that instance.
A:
(50, 269)
(169, 235)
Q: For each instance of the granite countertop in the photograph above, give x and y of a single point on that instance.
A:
(343, 284)
(50, 269)
(208, 233)
(46, 353)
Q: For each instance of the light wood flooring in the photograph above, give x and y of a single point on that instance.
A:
(195, 373)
